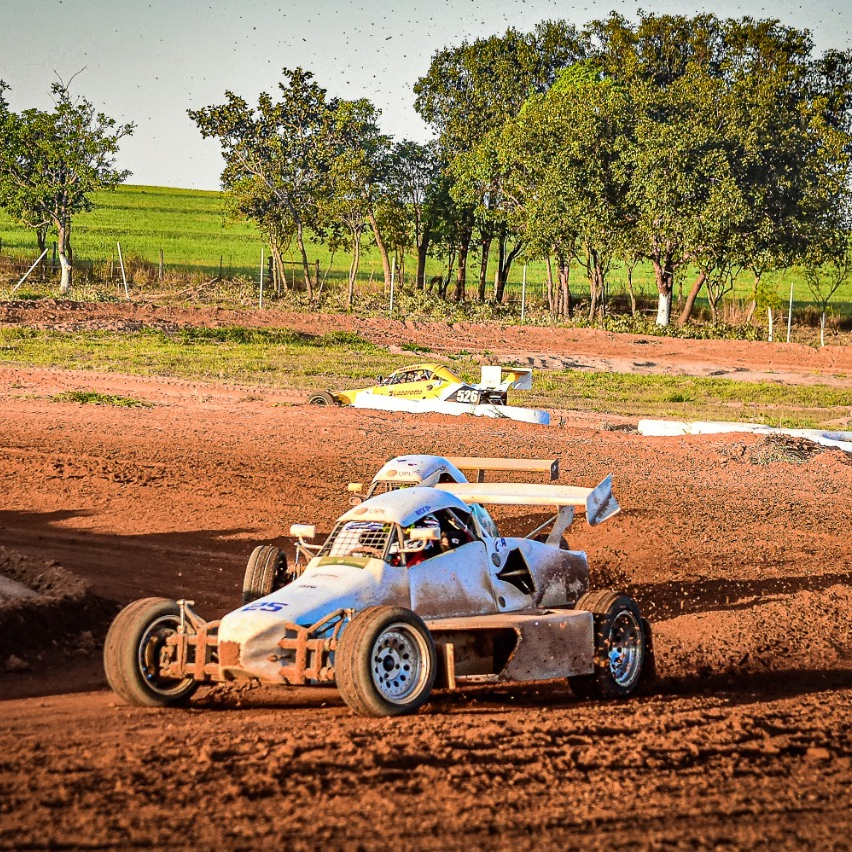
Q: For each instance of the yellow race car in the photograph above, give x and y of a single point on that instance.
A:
(437, 382)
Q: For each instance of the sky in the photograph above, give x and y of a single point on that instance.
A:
(148, 62)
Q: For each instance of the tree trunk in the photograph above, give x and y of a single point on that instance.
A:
(306, 268)
(461, 273)
(566, 299)
(63, 240)
(592, 275)
(753, 306)
(485, 245)
(281, 274)
(451, 265)
(422, 251)
(630, 268)
(549, 281)
(686, 313)
(506, 261)
(664, 273)
(380, 244)
(353, 268)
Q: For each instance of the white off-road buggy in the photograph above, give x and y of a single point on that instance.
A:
(414, 589)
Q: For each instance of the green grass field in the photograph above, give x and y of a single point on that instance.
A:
(283, 358)
(196, 235)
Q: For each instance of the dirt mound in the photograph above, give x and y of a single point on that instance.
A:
(63, 611)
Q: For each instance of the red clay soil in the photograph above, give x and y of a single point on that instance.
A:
(738, 551)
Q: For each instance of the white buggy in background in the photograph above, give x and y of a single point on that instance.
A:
(413, 589)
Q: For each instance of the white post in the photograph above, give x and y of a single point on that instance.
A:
(26, 274)
(790, 312)
(769, 311)
(123, 276)
(393, 279)
(523, 293)
(261, 277)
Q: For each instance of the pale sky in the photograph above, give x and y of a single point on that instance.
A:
(148, 62)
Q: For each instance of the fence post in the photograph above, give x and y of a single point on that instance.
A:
(123, 274)
(261, 277)
(769, 311)
(790, 312)
(53, 264)
(221, 260)
(393, 276)
(160, 272)
(523, 294)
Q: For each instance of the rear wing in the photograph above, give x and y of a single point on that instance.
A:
(598, 503)
(480, 465)
(505, 378)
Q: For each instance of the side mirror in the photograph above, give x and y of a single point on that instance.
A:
(379, 379)
(354, 487)
(303, 530)
(424, 534)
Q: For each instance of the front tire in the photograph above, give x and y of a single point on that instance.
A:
(621, 646)
(265, 573)
(321, 398)
(135, 649)
(385, 664)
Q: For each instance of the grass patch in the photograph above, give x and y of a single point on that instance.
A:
(691, 398)
(95, 398)
(287, 359)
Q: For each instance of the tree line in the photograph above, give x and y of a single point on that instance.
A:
(719, 146)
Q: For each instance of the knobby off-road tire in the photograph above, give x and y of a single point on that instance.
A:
(621, 648)
(321, 398)
(134, 648)
(266, 571)
(385, 663)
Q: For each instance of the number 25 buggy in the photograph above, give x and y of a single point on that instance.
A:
(414, 589)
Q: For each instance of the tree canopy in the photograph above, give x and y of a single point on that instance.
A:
(51, 161)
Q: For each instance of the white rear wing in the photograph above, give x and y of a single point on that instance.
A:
(598, 503)
(480, 465)
(505, 378)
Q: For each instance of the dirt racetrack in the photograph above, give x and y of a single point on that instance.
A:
(738, 551)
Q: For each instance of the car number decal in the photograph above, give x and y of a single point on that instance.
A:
(264, 606)
(468, 395)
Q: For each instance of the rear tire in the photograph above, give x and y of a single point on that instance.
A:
(621, 647)
(134, 650)
(385, 664)
(265, 573)
(321, 398)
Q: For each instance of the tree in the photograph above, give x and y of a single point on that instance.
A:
(740, 151)
(413, 175)
(563, 177)
(472, 90)
(51, 161)
(277, 155)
